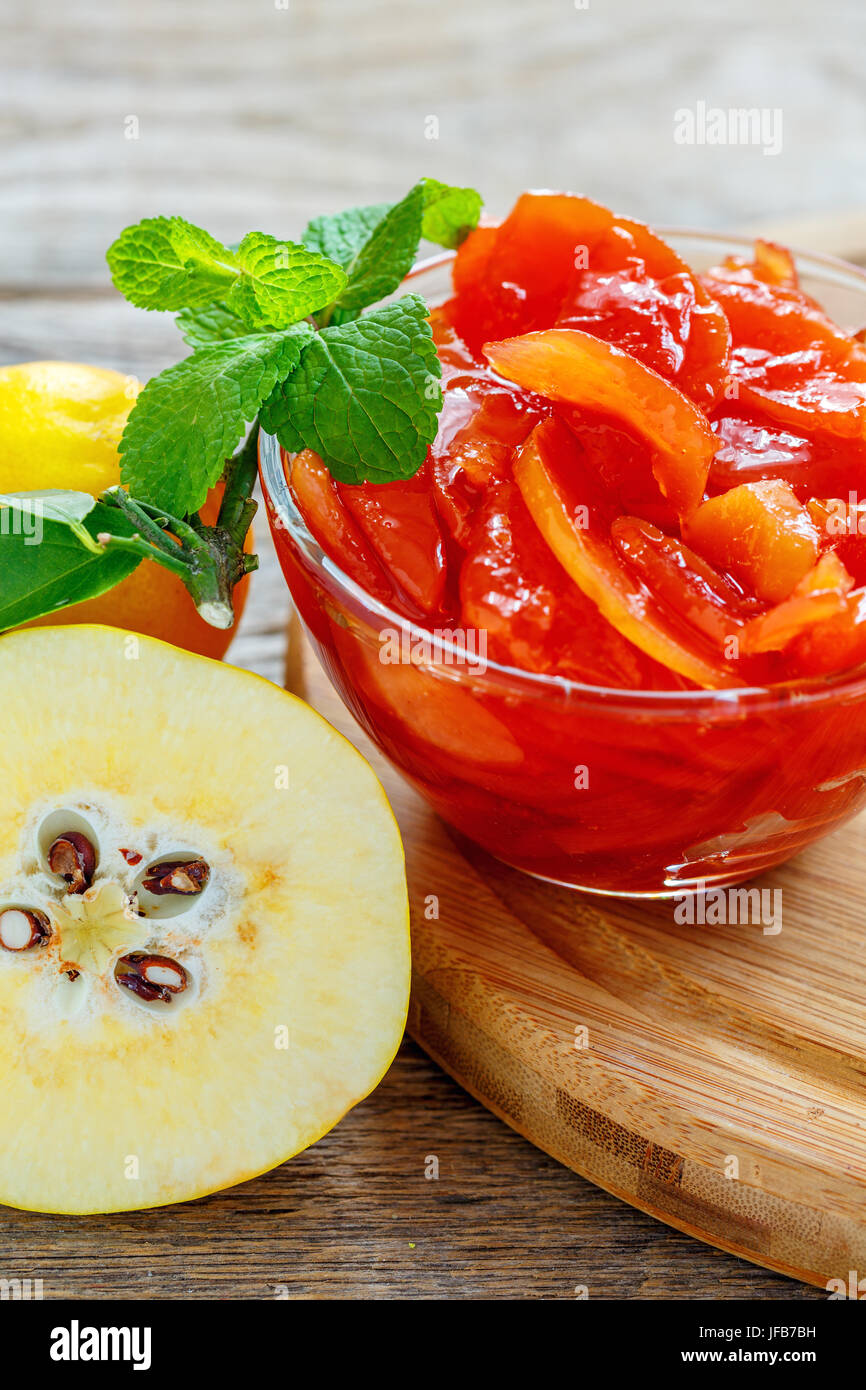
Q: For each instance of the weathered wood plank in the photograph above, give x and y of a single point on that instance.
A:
(261, 115)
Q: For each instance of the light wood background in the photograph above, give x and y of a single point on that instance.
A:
(246, 114)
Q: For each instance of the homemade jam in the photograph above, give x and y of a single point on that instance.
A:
(645, 485)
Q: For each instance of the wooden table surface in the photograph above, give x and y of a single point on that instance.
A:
(261, 115)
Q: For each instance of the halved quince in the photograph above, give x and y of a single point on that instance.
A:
(204, 953)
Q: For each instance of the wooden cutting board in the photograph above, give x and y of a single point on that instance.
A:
(714, 1076)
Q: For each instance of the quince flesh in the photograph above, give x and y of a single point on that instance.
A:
(296, 950)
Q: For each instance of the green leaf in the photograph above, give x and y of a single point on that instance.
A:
(449, 213)
(51, 504)
(274, 419)
(187, 420)
(280, 282)
(214, 323)
(381, 264)
(366, 395)
(38, 579)
(340, 235)
(167, 263)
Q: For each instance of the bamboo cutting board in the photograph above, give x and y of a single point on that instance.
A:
(714, 1076)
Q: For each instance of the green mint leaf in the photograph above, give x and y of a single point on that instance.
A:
(214, 323)
(167, 263)
(51, 504)
(38, 579)
(380, 265)
(340, 235)
(274, 418)
(449, 213)
(280, 282)
(366, 395)
(187, 420)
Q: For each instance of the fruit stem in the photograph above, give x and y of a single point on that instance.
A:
(237, 508)
(137, 545)
(213, 574)
(147, 520)
(206, 558)
(191, 537)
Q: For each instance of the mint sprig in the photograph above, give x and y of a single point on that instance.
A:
(448, 216)
(449, 213)
(212, 323)
(365, 396)
(382, 262)
(283, 332)
(366, 400)
(167, 263)
(281, 282)
(188, 420)
(340, 235)
(210, 560)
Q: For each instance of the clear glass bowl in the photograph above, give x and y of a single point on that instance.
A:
(631, 793)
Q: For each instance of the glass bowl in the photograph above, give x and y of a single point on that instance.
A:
(629, 793)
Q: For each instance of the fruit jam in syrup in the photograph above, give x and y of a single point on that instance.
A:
(644, 480)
